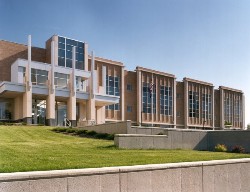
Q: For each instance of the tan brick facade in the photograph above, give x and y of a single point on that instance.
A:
(146, 96)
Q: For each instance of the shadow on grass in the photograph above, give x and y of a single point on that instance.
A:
(108, 147)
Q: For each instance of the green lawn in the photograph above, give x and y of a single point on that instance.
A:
(29, 148)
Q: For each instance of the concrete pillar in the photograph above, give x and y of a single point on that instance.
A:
(27, 96)
(18, 106)
(104, 74)
(91, 111)
(71, 102)
(213, 114)
(174, 102)
(50, 100)
(100, 115)
(86, 57)
(139, 99)
(243, 111)
(222, 123)
(122, 95)
(186, 107)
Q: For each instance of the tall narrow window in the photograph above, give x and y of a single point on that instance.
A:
(193, 104)
(113, 88)
(166, 100)
(206, 106)
(148, 95)
(228, 101)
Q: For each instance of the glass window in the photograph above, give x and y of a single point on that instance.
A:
(129, 108)
(61, 61)
(61, 80)
(129, 87)
(149, 98)
(39, 77)
(112, 85)
(61, 46)
(166, 101)
(69, 63)
(61, 53)
(69, 55)
(61, 40)
(79, 57)
(193, 104)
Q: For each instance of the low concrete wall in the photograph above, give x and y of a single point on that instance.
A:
(110, 128)
(184, 139)
(206, 176)
(146, 130)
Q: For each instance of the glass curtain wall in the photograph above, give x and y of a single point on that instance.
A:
(6, 109)
(65, 53)
(113, 88)
(147, 97)
(166, 100)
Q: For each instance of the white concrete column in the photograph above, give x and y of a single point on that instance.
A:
(18, 106)
(186, 107)
(104, 74)
(86, 57)
(212, 100)
(27, 96)
(122, 95)
(50, 100)
(139, 95)
(243, 111)
(100, 113)
(222, 123)
(93, 79)
(174, 101)
(71, 102)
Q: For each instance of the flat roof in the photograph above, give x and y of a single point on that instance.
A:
(154, 72)
(197, 81)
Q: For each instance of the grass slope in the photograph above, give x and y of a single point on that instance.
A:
(29, 148)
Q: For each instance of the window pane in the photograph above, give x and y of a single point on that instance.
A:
(61, 53)
(61, 61)
(69, 63)
(61, 39)
(61, 46)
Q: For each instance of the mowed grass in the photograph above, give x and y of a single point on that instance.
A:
(30, 148)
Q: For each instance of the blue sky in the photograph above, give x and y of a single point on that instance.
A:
(207, 40)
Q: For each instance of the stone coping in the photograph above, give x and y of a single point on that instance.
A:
(36, 175)
(139, 135)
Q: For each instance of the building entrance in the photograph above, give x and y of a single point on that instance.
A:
(38, 111)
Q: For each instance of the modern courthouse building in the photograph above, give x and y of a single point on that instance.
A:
(62, 84)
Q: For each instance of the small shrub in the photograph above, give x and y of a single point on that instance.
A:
(101, 135)
(70, 130)
(80, 132)
(238, 149)
(160, 133)
(90, 133)
(220, 148)
(60, 129)
(110, 137)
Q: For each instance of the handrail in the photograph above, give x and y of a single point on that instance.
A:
(67, 122)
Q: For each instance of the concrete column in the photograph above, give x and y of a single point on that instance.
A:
(50, 100)
(104, 74)
(27, 96)
(91, 111)
(86, 57)
(213, 114)
(174, 102)
(71, 102)
(139, 99)
(122, 95)
(243, 111)
(18, 106)
(222, 123)
(100, 115)
(186, 114)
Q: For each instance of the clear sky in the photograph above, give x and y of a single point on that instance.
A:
(208, 40)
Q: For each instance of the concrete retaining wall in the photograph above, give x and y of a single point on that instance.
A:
(184, 139)
(207, 176)
(110, 128)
